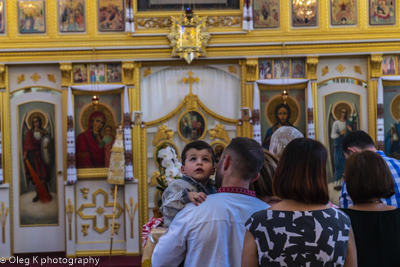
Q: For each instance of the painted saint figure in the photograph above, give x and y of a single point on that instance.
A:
(340, 129)
(90, 152)
(282, 115)
(33, 154)
(392, 144)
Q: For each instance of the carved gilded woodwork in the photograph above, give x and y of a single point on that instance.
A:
(100, 210)
(51, 78)
(116, 227)
(252, 67)
(219, 132)
(222, 21)
(66, 74)
(35, 77)
(376, 65)
(69, 210)
(357, 69)
(191, 103)
(163, 133)
(85, 228)
(147, 72)
(232, 69)
(84, 191)
(340, 68)
(20, 78)
(154, 23)
(128, 70)
(131, 212)
(312, 63)
(3, 219)
(325, 70)
(2, 76)
(94, 205)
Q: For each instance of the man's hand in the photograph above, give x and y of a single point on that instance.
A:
(349, 128)
(197, 198)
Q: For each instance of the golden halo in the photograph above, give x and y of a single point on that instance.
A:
(270, 109)
(395, 107)
(36, 113)
(89, 109)
(338, 106)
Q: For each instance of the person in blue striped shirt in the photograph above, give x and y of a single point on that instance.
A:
(357, 141)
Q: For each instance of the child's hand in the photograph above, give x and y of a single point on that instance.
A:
(197, 198)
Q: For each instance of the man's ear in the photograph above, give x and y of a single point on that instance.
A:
(255, 178)
(183, 169)
(226, 162)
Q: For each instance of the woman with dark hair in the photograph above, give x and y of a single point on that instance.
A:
(282, 115)
(376, 225)
(301, 230)
(89, 144)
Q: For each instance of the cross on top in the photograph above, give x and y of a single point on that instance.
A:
(191, 80)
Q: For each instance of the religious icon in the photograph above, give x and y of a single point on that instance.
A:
(38, 183)
(111, 15)
(265, 69)
(192, 126)
(245, 114)
(97, 73)
(388, 65)
(266, 13)
(114, 74)
(31, 17)
(304, 13)
(2, 19)
(275, 113)
(218, 148)
(298, 68)
(161, 145)
(342, 117)
(137, 118)
(71, 15)
(80, 73)
(189, 36)
(281, 68)
(382, 12)
(95, 130)
(391, 111)
(343, 12)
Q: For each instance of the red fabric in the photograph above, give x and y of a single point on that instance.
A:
(238, 190)
(153, 223)
(32, 146)
(381, 16)
(88, 152)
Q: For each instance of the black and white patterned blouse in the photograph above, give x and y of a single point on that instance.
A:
(300, 238)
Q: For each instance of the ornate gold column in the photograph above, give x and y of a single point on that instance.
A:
(247, 95)
(6, 127)
(2, 77)
(375, 110)
(312, 118)
(66, 74)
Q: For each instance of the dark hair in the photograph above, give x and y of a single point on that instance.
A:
(39, 120)
(346, 112)
(198, 145)
(368, 176)
(108, 126)
(263, 185)
(247, 157)
(359, 139)
(289, 114)
(301, 172)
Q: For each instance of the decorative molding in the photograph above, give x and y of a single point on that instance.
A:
(325, 70)
(3, 219)
(51, 78)
(312, 63)
(376, 65)
(21, 78)
(163, 133)
(147, 72)
(219, 21)
(153, 179)
(131, 212)
(232, 69)
(154, 23)
(100, 210)
(219, 132)
(357, 69)
(128, 69)
(380, 111)
(191, 99)
(251, 67)
(69, 210)
(340, 68)
(310, 113)
(66, 74)
(85, 191)
(35, 77)
(2, 76)
(85, 228)
(116, 227)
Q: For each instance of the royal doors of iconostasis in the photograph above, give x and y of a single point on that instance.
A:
(182, 104)
(37, 159)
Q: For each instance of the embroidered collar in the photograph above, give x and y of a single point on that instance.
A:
(238, 190)
(198, 185)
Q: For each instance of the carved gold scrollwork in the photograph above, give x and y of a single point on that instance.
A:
(163, 133)
(251, 65)
(232, 69)
(147, 72)
(222, 21)
(2, 76)
(3, 219)
(131, 212)
(69, 209)
(376, 66)
(325, 70)
(340, 68)
(154, 23)
(51, 78)
(128, 68)
(116, 227)
(357, 69)
(100, 210)
(66, 74)
(35, 77)
(85, 228)
(85, 191)
(219, 132)
(21, 78)
(312, 63)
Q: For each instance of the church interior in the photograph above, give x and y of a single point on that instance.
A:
(169, 72)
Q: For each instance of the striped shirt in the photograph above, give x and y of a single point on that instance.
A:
(394, 166)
